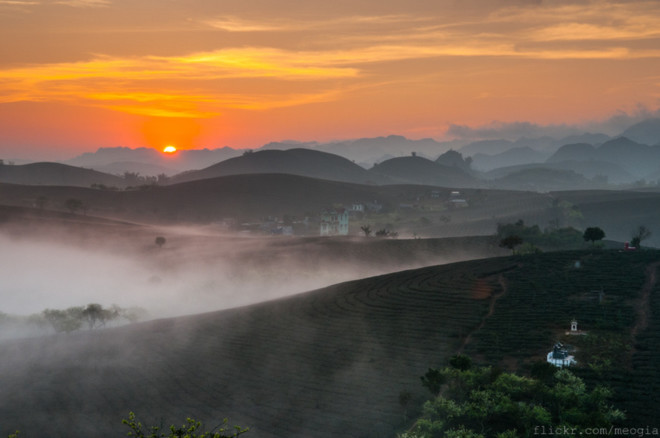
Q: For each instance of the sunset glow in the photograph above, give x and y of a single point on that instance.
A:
(267, 73)
(169, 149)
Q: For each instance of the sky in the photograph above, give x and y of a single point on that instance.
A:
(76, 75)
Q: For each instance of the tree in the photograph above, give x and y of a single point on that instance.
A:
(485, 402)
(192, 429)
(73, 205)
(433, 380)
(366, 229)
(160, 241)
(592, 234)
(511, 242)
(640, 234)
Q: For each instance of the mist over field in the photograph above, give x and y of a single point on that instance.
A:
(192, 272)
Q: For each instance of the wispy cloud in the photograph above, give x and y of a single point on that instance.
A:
(142, 80)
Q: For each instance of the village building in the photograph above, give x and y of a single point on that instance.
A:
(334, 222)
(560, 357)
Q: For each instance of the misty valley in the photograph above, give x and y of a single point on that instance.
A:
(294, 292)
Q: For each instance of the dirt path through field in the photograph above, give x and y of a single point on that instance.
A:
(491, 308)
(642, 307)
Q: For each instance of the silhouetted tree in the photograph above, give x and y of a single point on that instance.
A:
(382, 233)
(511, 242)
(366, 229)
(592, 234)
(160, 241)
(640, 234)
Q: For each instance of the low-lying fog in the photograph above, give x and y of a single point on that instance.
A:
(192, 272)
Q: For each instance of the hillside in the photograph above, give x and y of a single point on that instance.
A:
(56, 174)
(302, 162)
(542, 179)
(418, 170)
(254, 197)
(309, 365)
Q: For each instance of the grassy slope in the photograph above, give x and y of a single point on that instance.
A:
(334, 361)
(319, 364)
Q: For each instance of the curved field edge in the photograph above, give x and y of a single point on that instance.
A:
(329, 362)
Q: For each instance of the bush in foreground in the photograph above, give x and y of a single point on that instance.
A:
(192, 429)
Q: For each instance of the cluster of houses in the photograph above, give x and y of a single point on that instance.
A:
(335, 221)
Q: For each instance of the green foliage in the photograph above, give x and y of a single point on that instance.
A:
(192, 429)
(461, 362)
(433, 380)
(483, 402)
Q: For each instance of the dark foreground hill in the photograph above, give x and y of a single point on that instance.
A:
(51, 174)
(334, 362)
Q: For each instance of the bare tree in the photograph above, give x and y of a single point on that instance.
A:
(640, 234)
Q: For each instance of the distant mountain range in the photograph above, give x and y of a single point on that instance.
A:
(596, 160)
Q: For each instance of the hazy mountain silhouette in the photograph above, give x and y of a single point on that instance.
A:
(122, 159)
(418, 170)
(303, 162)
(622, 155)
(119, 168)
(488, 147)
(542, 179)
(639, 159)
(646, 132)
(56, 174)
(601, 171)
(573, 152)
(510, 157)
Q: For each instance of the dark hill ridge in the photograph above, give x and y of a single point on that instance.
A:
(303, 162)
(419, 170)
(251, 197)
(56, 174)
(309, 365)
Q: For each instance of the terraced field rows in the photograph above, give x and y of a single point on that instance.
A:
(326, 363)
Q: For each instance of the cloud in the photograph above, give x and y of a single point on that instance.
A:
(161, 86)
(613, 125)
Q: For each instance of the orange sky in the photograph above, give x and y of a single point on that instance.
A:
(76, 75)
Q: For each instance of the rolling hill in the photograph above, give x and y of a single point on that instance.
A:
(311, 364)
(302, 162)
(418, 170)
(56, 174)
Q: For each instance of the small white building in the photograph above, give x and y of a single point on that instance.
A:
(574, 329)
(560, 357)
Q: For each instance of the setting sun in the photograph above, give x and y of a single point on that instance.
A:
(169, 149)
